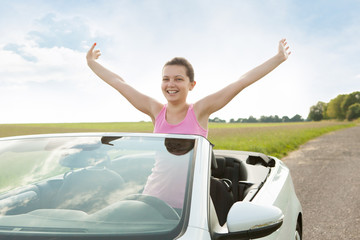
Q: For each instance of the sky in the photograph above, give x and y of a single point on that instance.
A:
(44, 77)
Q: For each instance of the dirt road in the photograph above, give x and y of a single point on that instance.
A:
(326, 175)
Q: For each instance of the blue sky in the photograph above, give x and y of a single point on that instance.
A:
(44, 76)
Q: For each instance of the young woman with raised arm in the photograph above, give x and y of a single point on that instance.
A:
(177, 115)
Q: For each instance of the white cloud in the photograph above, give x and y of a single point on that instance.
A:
(52, 64)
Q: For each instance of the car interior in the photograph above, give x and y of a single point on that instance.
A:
(234, 177)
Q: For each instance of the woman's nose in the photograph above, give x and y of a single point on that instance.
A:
(171, 82)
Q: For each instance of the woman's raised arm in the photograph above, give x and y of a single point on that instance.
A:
(140, 101)
(214, 102)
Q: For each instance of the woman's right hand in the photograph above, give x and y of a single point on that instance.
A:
(93, 54)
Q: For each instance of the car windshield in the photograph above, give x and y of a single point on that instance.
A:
(94, 185)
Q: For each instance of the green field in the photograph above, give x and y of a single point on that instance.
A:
(276, 139)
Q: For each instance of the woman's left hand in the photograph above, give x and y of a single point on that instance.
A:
(284, 49)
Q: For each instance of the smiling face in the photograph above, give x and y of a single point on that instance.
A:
(175, 83)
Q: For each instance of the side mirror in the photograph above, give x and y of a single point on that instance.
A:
(248, 220)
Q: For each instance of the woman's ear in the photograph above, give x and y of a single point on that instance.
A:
(192, 85)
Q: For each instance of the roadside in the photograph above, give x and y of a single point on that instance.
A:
(325, 173)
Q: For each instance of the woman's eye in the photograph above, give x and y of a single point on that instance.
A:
(179, 79)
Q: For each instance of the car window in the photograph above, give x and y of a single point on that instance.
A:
(104, 185)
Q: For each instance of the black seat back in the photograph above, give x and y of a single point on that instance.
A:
(88, 189)
(230, 168)
(222, 197)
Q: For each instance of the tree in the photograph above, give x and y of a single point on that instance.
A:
(217, 120)
(251, 119)
(266, 119)
(353, 112)
(349, 100)
(325, 116)
(334, 109)
(270, 119)
(317, 112)
(296, 118)
(285, 119)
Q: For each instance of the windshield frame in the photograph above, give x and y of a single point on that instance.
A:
(177, 231)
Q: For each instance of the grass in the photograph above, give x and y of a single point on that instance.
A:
(26, 129)
(276, 139)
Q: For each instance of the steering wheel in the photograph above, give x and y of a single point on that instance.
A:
(162, 207)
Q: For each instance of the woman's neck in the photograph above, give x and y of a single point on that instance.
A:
(176, 113)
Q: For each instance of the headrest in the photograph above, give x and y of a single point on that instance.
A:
(221, 165)
(213, 161)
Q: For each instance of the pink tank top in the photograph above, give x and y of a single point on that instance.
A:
(189, 125)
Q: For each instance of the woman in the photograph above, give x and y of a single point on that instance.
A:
(178, 116)
(168, 178)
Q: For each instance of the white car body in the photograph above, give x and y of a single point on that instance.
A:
(270, 208)
(278, 191)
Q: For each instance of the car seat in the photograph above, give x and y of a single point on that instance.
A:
(88, 189)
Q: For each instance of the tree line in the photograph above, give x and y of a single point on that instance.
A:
(342, 107)
(262, 119)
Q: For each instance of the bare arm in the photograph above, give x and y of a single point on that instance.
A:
(214, 102)
(140, 101)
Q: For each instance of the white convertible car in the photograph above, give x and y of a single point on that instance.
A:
(141, 186)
